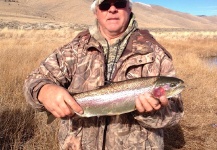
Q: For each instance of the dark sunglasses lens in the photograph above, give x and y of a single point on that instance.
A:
(104, 6)
(120, 4)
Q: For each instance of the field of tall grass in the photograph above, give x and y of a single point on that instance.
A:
(22, 128)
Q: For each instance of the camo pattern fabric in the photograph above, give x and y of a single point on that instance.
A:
(80, 66)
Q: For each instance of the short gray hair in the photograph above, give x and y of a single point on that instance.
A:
(93, 6)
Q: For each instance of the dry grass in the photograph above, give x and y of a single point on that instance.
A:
(196, 130)
(23, 128)
(21, 51)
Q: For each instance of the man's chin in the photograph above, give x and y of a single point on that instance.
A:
(115, 29)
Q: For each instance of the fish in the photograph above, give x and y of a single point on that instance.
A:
(119, 97)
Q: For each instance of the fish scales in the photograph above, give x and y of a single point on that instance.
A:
(114, 99)
(119, 97)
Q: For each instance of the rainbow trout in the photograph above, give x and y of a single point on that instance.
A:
(119, 97)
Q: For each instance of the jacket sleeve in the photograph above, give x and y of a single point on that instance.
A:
(167, 115)
(55, 69)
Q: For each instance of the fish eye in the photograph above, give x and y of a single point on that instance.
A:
(172, 84)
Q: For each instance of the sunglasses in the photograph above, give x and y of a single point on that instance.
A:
(118, 4)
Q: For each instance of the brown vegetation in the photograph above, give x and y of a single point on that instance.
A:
(197, 130)
(78, 12)
(23, 128)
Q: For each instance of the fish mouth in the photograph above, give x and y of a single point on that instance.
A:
(181, 85)
(176, 90)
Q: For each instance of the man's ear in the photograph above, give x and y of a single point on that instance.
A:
(95, 15)
(95, 12)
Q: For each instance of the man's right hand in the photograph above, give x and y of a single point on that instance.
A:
(58, 101)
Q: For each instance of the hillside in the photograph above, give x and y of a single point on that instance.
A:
(78, 12)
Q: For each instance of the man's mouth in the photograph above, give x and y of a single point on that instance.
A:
(113, 19)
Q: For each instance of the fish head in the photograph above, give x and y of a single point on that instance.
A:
(169, 86)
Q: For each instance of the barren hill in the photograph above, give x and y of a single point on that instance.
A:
(78, 12)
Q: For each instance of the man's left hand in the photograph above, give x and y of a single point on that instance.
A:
(147, 103)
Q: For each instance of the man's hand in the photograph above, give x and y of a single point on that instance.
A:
(147, 103)
(58, 101)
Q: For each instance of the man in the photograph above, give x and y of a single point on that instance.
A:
(112, 50)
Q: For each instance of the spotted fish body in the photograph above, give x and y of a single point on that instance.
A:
(119, 97)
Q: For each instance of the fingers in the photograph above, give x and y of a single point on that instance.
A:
(139, 105)
(163, 100)
(147, 103)
(58, 108)
(57, 112)
(66, 107)
(70, 101)
(58, 101)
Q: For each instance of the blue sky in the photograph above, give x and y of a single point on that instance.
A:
(194, 7)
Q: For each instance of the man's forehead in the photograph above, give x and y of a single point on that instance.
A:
(100, 1)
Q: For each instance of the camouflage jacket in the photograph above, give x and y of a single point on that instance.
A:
(80, 66)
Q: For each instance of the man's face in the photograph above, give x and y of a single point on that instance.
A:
(113, 16)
